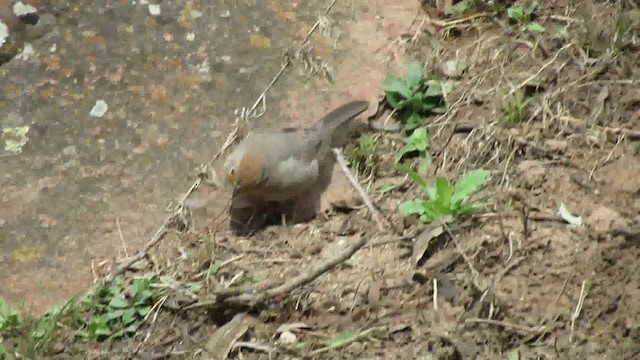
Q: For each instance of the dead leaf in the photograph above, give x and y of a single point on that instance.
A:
(423, 244)
(222, 340)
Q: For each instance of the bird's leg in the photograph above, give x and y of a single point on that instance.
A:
(288, 211)
(300, 210)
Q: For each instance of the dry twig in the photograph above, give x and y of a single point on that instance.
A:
(304, 278)
(363, 195)
(257, 293)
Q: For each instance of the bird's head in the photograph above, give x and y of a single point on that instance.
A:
(244, 169)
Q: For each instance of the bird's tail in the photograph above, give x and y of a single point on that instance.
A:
(340, 115)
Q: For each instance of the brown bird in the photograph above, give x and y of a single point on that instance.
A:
(282, 165)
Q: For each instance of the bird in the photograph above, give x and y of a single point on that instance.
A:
(280, 165)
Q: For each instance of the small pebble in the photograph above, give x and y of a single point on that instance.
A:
(154, 9)
(99, 109)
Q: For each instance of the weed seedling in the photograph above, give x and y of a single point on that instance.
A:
(9, 317)
(443, 200)
(461, 7)
(515, 108)
(417, 143)
(364, 155)
(413, 96)
(117, 310)
(524, 17)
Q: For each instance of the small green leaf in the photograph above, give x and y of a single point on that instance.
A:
(132, 328)
(128, 316)
(340, 338)
(413, 121)
(143, 311)
(469, 184)
(416, 104)
(118, 302)
(411, 207)
(424, 164)
(85, 300)
(9, 318)
(461, 8)
(417, 178)
(99, 327)
(404, 103)
(417, 141)
(138, 288)
(431, 192)
(406, 149)
(102, 331)
(429, 216)
(414, 75)
(467, 209)
(393, 84)
(444, 192)
(394, 100)
(534, 27)
(516, 13)
(114, 314)
(420, 139)
(447, 86)
(433, 89)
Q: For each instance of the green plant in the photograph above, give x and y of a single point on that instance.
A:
(413, 96)
(117, 310)
(515, 108)
(524, 17)
(461, 7)
(443, 200)
(9, 317)
(114, 310)
(416, 143)
(30, 335)
(364, 155)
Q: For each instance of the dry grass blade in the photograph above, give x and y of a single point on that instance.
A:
(363, 194)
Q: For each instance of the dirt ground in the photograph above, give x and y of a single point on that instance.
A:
(513, 282)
